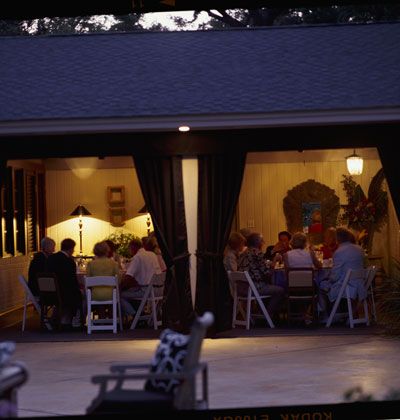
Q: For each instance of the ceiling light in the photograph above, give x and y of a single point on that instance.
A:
(184, 128)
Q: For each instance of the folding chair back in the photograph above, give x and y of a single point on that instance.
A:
(300, 278)
(244, 290)
(301, 288)
(114, 301)
(153, 294)
(344, 293)
(28, 297)
(49, 296)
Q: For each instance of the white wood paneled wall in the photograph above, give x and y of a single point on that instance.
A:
(66, 189)
(265, 185)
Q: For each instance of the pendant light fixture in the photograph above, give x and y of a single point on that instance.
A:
(354, 164)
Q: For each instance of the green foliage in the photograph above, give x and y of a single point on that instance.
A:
(362, 213)
(388, 300)
(121, 239)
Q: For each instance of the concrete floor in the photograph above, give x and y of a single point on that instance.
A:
(243, 371)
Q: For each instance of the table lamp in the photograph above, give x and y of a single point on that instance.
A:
(148, 222)
(80, 211)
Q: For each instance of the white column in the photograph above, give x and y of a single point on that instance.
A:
(190, 193)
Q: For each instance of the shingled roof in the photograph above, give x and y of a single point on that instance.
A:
(200, 73)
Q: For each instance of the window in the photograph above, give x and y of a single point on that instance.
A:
(23, 212)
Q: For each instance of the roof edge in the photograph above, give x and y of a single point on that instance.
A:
(198, 122)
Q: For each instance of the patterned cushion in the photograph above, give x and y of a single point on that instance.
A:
(6, 350)
(169, 357)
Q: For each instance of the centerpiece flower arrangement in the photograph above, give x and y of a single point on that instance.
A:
(121, 240)
(364, 214)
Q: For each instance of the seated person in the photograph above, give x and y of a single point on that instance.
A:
(330, 244)
(252, 260)
(299, 256)
(138, 275)
(268, 252)
(348, 255)
(63, 265)
(282, 246)
(101, 265)
(112, 253)
(150, 244)
(39, 262)
(235, 246)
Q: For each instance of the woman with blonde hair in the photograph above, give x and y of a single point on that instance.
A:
(102, 265)
(236, 245)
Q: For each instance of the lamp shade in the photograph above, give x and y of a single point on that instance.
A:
(143, 209)
(354, 164)
(81, 211)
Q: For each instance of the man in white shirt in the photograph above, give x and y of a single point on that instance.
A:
(138, 275)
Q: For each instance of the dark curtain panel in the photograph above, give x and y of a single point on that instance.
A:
(3, 170)
(161, 182)
(391, 168)
(220, 179)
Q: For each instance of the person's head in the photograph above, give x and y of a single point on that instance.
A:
(47, 245)
(68, 246)
(330, 236)
(245, 232)
(150, 243)
(111, 247)
(284, 237)
(144, 241)
(255, 240)
(344, 235)
(316, 216)
(299, 240)
(134, 245)
(101, 249)
(236, 241)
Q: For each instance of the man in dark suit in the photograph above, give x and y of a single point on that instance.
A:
(39, 263)
(63, 265)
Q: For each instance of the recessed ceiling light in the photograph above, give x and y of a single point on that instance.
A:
(184, 128)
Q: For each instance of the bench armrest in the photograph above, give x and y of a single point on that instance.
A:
(124, 368)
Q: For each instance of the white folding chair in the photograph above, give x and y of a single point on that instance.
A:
(243, 279)
(370, 289)
(153, 295)
(351, 275)
(29, 298)
(102, 323)
(301, 288)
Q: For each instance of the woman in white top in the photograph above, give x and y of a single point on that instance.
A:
(299, 256)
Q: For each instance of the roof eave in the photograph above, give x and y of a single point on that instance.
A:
(198, 122)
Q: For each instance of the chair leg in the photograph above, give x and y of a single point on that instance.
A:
(373, 306)
(139, 311)
(114, 309)
(248, 311)
(333, 311)
(24, 314)
(89, 317)
(154, 312)
(366, 315)
(349, 308)
(234, 312)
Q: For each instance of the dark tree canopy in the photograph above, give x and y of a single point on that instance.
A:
(218, 19)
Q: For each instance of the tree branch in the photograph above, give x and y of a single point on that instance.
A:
(227, 19)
